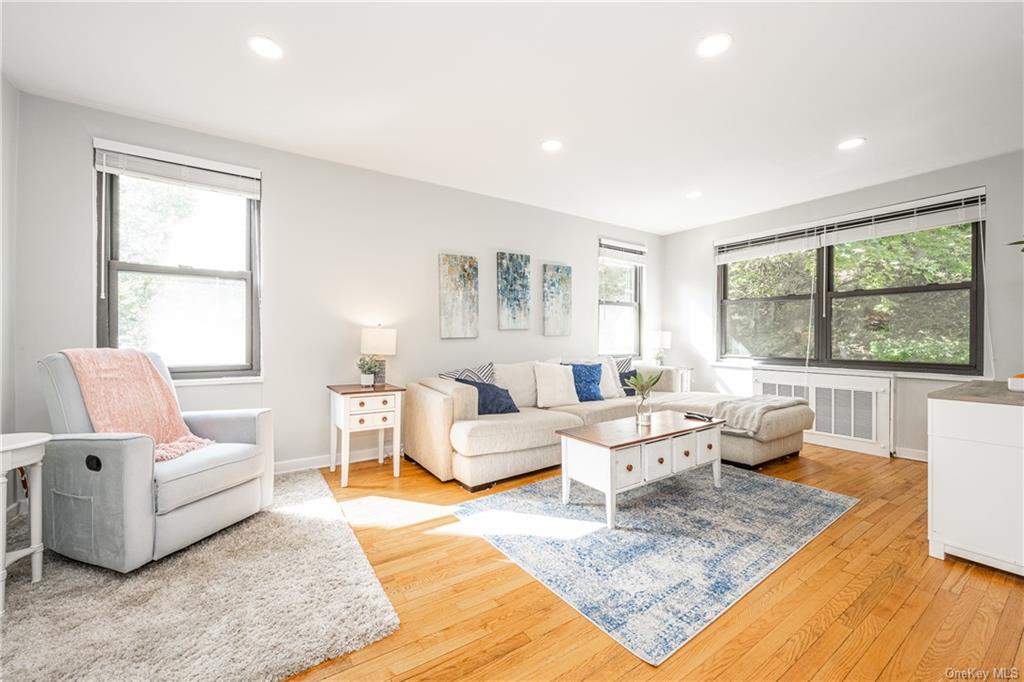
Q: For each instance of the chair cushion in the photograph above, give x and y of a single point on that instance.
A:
(600, 410)
(529, 428)
(203, 472)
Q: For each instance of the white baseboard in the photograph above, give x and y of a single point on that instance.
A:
(911, 453)
(320, 461)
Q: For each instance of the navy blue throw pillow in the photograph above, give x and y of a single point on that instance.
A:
(491, 399)
(622, 380)
(588, 382)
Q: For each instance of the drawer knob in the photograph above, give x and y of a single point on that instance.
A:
(686, 453)
(385, 402)
(362, 403)
(710, 446)
(362, 421)
(661, 460)
(383, 419)
(629, 467)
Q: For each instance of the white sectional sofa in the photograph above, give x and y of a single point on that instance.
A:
(445, 434)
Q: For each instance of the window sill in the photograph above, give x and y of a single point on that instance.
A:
(899, 374)
(219, 381)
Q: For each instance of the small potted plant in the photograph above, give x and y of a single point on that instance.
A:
(643, 384)
(369, 367)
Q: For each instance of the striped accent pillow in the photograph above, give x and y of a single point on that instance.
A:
(624, 364)
(483, 374)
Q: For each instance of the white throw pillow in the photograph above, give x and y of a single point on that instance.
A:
(611, 386)
(520, 380)
(555, 385)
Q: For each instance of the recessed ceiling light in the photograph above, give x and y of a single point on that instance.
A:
(852, 143)
(714, 45)
(694, 194)
(265, 47)
(551, 146)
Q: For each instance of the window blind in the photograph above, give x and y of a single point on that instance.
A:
(619, 250)
(243, 182)
(925, 214)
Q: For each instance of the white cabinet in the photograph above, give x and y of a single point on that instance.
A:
(976, 474)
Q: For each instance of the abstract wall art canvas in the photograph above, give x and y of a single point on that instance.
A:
(460, 296)
(513, 290)
(557, 300)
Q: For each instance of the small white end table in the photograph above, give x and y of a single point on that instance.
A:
(357, 408)
(23, 450)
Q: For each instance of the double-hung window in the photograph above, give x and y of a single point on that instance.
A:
(179, 261)
(620, 292)
(901, 289)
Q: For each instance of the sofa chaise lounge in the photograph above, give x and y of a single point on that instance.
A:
(445, 434)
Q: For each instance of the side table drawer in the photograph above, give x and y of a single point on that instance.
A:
(627, 467)
(372, 420)
(371, 403)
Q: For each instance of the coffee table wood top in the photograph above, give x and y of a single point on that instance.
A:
(356, 389)
(621, 433)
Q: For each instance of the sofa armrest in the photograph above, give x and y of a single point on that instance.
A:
(428, 419)
(98, 498)
(465, 400)
(254, 426)
(671, 377)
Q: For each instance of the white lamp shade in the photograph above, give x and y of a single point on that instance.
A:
(378, 341)
(666, 339)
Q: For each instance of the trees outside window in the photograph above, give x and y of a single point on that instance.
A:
(904, 301)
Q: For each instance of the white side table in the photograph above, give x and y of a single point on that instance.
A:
(357, 408)
(23, 450)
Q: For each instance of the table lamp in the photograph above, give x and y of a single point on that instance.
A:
(375, 342)
(664, 343)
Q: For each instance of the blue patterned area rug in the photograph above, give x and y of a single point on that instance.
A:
(682, 552)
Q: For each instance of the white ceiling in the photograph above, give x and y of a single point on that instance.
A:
(462, 95)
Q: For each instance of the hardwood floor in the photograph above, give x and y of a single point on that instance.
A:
(862, 601)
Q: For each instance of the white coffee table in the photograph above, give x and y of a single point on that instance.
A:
(23, 450)
(617, 456)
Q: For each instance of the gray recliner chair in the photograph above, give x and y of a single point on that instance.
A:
(107, 502)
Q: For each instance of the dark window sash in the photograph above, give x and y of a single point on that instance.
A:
(108, 249)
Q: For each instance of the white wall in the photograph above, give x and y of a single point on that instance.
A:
(689, 294)
(9, 153)
(342, 248)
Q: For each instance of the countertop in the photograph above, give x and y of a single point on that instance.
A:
(994, 392)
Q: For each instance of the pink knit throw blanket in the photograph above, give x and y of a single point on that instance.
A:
(125, 393)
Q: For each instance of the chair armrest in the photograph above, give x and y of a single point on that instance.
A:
(254, 426)
(98, 498)
(228, 426)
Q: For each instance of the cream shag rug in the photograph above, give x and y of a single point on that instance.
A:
(268, 597)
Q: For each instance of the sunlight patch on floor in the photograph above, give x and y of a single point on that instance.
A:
(496, 522)
(375, 511)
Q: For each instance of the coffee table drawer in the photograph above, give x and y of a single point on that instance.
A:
(684, 452)
(709, 445)
(628, 471)
(657, 459)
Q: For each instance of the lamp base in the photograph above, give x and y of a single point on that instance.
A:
(379, 377)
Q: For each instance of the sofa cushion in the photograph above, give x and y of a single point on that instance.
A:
(600, 411)
(587, 379)
(555, 385)
(203, 472)
(520, 380)
(491, 399)
(484, 373)
(529, 428)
